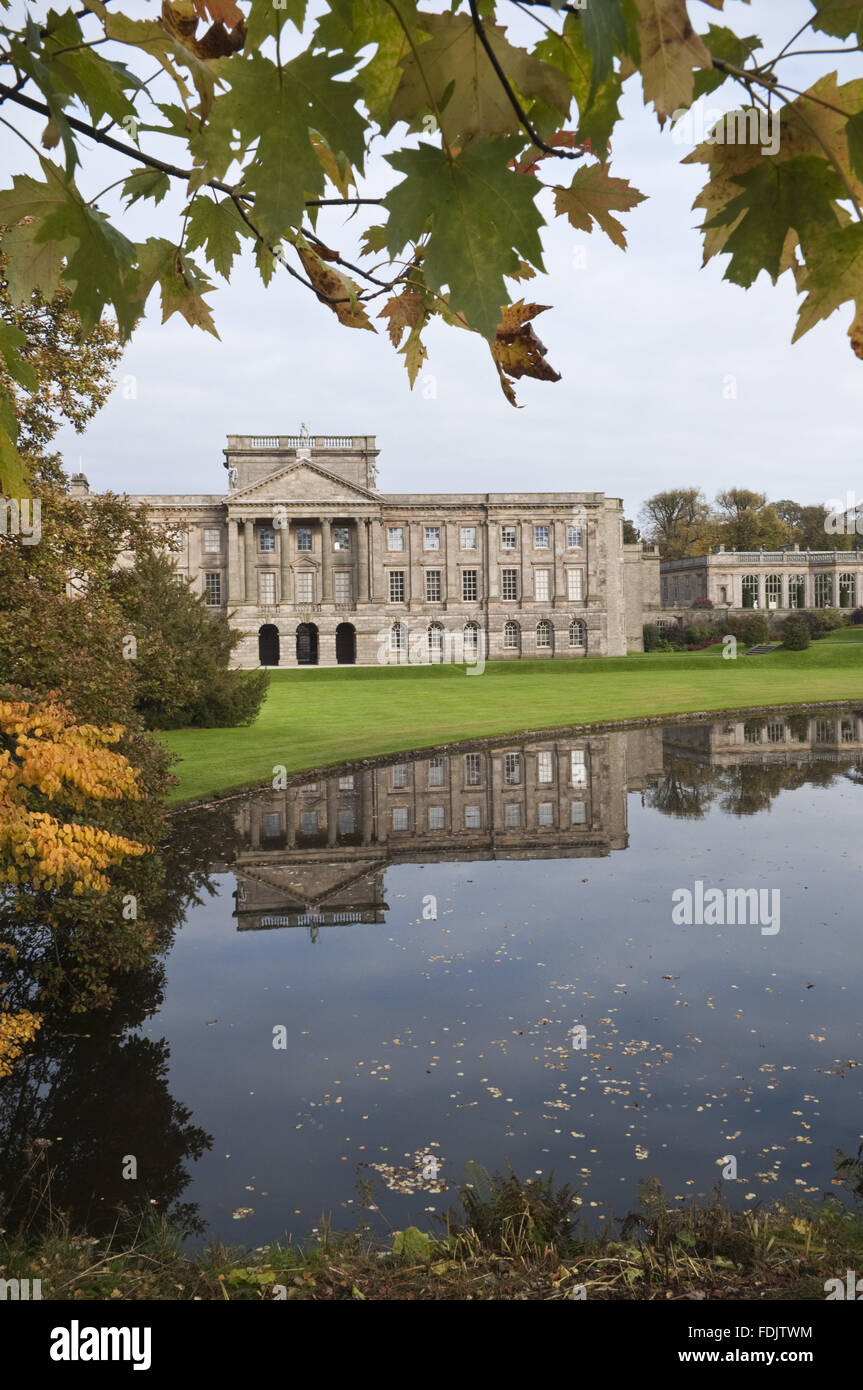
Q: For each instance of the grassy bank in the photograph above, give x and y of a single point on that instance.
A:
(313, 718)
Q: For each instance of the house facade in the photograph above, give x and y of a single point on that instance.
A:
(314, 566)
(765, 579)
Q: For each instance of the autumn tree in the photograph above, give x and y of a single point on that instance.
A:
(747, 521)
(261, 120)
(806, 526)
(679, 521)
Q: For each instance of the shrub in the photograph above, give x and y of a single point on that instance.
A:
(857, 617)
(749, 630)
(795, 632)
(702, 603)
(698, 634)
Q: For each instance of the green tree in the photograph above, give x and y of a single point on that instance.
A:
(679, 522)
(746, 521)
(795, 633)
(807, 529)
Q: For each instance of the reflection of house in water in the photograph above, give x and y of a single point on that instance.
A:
(316, 853)
(834, 736)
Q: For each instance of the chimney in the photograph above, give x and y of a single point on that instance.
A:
(78, 486)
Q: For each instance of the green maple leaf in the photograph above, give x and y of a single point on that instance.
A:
(13, 473)
(833, 279)
(146, 183)
(608, 30)
(181, 284)
(20, 370)
(731, 48)
(597, 101)
(265, 21)
(591, 197)
(218, 227)
(451, 77)
(777, 197)
(839, 18)
(33, 265)
(481, 219)
(854, 136)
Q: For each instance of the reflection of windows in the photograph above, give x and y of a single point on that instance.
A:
(579, 770)
(431, 538)
(752, 733)
(574, 537)
(266, 588)
(546, 813)
(540, 538)
(212, 540)
(512, 815)
(395, 538)
(436, 818)
(341, 538)
(400, 818)
(512, 769)
(347, 823)
(272, 825)
(436, 772)
(212, 590)
(346, 784)
(473, 769)
(510, 635)
(575, 585)
(507, 538)
(309, 822)
(469, 586)
(847, 731)
(544, 768)
(267, 538)
(400, 775)
(825, 731)
(540, 585)
(304, 538)
(343, 589)
(577, 813)
(509, 584)
(433, 587)
(468, 538)
(473, 817)
(397, 586)
(305, 588)
(776, 732)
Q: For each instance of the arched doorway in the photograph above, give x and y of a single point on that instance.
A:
(346, 644)
(268, 645)
(307, 645)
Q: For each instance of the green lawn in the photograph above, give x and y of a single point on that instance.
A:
(313, 718)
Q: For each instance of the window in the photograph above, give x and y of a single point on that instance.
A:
(540, 537)
(575, 584)
(400, 775)
(468, 538)
(304, 537)
(347, 823)
(346, 784)
(305, 588)
(577, 813)
(471, 640)
(399, 637)
(752, 733)
(825, 731)
(395, 538)
(431, 538)
(512, 769)
(469, 586)
(267, 538)
(797, 592)
(213, 590)
(509, 584)
(847, 590)
(212, 540)
(343, 586)
(309, 823)
(546, 813)
(436, 772)
(776, 732)
(397, 586)
(266, 588)
(750, 590)
(574, 537)
(510, 635)
(540, 585)
(436, 818)
(577, 633)
(507, 538)
(578, 768)
(473, 769)
(473, 817)
(272, 825)
(512, 815)
(824, 591)
(400, 818)
(341, 538)
(773, 590)
(433, 589)
(543, 635)
(544, 767)
(435, 640)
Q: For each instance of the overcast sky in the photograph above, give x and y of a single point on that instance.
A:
(645, 341)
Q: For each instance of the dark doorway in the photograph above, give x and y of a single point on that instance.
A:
(346, 644)
(307, 645)
(268, 645)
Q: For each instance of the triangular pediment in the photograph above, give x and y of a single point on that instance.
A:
(302, 482)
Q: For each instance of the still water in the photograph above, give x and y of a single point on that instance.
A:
(488, 956)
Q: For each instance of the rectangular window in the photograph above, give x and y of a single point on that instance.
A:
(400, 775)
(579, 769)
(473, 769)
(469, 586)
(473, 817)
(574, 537)
(343, 586)
(540, 537)
(309, 823)
(212, 540)
(540, 584)
(397, 586)
(395, 538)
(436, 772)
(512, 815)
(432, 586)
(266, 588)
(512, 769)
(272, 825)
(341, 538)
(468, 538)
(544, 767)
(575, 584)
(546, 813)
(267, 539)
(509, 584)
(400, 818)
(305, 588)
(304, 537)
(431, 538)
(346, 784)
(578, 813)
(507, 538)
(347, 823)
(213, 590)
(436, 818)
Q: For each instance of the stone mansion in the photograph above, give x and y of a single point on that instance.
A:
(314, 566)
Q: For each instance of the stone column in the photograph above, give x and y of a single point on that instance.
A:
(558, 541)
(377, 592)
(450, 586)
(520, 534)
(235, 577)
(286, 587)
(251, 595)
(332, 810)
(363, 571)
(326, 560)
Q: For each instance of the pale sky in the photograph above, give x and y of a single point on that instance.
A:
(644, 339)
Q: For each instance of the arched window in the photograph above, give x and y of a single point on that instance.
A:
(435, 641)
(471, 639)
(543, 635)
(399, 637)
(773, 590)
(750, 590)
(847, 590)
(577, 633)
(824, 591)
(510, 636)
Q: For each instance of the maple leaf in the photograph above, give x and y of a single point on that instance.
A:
(836, 278)
(220, 11)
(482, 219)
(451, 76)
(402, 311)
(839, 18)
(517, 351)
(181, 284)
(606, 32)
(218, 227)
(146, 183)
(591, 197)
(332, 285)
(670, 49)
(597, 100)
